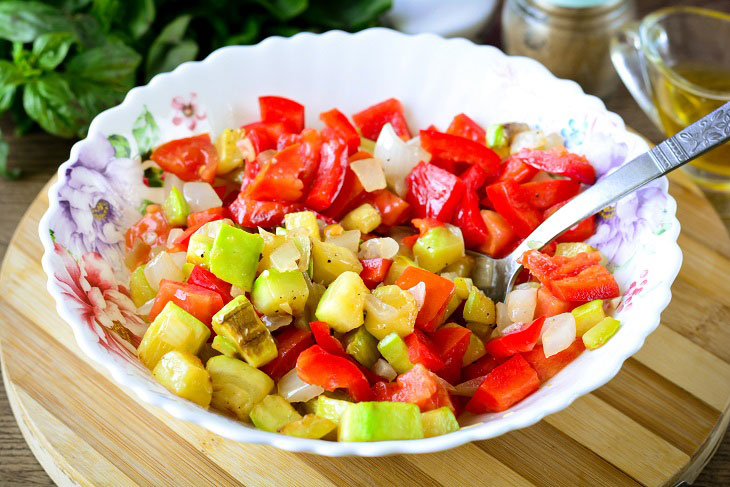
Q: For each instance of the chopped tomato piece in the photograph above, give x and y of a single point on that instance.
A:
(474, 177)
(451, 344)
(559, 161)
(499, 234)
(506, 385)
(547, 269)
(418, 386)
(393, 209)
(547, 367)
(279, 178)
(190, 159)
(324, 339)
(481, 367)
(469, 219)
(548, 305)
(251, 213)
(264, 136)
(279, 109)
(433, 192)
(198, 301)
(152, 229)
(464, 126)
(289, 343)
(519, 341)
(371, 120)
(544, 194)
(438, 294)
(331, 176)
(208, 280)
(374, 271)
(577, 233)
(455, 149)
(510, 202)
(421, 350)
(320, 368)
(205, 216)
(341, 127)
(515, 170)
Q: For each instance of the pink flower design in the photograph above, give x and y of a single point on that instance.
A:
(99, 301)
(635, 288)
(187, 111)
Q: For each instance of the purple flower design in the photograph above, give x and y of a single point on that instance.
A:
(97, 201)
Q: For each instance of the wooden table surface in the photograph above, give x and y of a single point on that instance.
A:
(39, 156)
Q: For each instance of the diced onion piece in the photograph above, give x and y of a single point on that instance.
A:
(419, 292)
(171, 181)
(446, 385)
(162, 266)
(423, 154)
(294, 389)
(285, 257)
(370, 173)
(515, 327)
(201, 196)
(236, 291)
(211, 229)
(397, 157)
(378, 248)
(173, 235)
(349, 239)
(384, 369)
(265, 156)
(179, 258)
(503, 320)
(558, 333)
(521, 305)
(145, 309)
(273, 323)
(553, 140)
(469, 387)
(381, 311)
(530, 139)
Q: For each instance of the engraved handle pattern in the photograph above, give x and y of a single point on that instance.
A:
(693, 141)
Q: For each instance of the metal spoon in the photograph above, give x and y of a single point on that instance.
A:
(686, 145)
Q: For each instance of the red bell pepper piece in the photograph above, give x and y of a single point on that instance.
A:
(590, 284)
(290, 343)
(481, 367)
(263, 137)
(474, 177)
(547, 269)
(421, 350)
(505, 386)
(318, 367)
(544, 194)
(451, 344)
(330, 344)
(499, 234)
(393, 210)
(510, 202)
(519, 341)
(547, 367)
(190, 159)
(559, 161)
(279, 109)
(351, 192)
(339, 126)
(433, 192)
(198, 301)
(374, 271)
(286, 140)
(251, 213)
(548, 305)
(577, 233)
(371, 120)
(438, 294)
(464, 126)
(515, 170)
(469, 219)
(208, 280)
(205, 216)
(153, 222)
(447, 147)
(331, 176)
(418, 386)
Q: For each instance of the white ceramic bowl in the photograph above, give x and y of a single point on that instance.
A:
(100, 188)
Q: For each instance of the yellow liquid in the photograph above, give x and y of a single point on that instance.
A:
(679, 107)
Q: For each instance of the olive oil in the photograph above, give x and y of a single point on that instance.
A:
(679, 105)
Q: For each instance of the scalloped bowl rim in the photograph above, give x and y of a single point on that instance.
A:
(220, 425)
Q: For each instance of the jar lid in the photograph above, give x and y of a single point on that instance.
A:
(580, 3)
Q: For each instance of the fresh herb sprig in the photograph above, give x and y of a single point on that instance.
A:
(64, 61)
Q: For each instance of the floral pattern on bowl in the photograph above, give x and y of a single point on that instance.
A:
(100, 190)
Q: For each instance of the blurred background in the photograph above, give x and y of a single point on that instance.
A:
(64, 61)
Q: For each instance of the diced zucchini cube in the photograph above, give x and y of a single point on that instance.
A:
(306, 220)
(139, 288)
(237, 386)
(330, 408)
(463, 267)
(496, 136)
(479, 308)
(343, 303)
(439, 247)
(310, 426)
(380, 421)
(602, 332)
(400, 262)
(273, 413)
(175, 208)
(199, 248)
(398, 315)
(235, 256)
(362, 346)
(238, 322)
(274, 289)
(330, 260)
(587, 316)
(438, 422)
(395, 351)
(364, 218)
(224, 346)
(184, 375)
(229, 155)
(571, 249)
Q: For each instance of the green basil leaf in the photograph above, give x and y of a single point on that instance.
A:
(105, 12)
(350, 15)
(112, 64)
(121, 145)
(169, 48)
(6, 173)
(24, 21)
(50, 101)
(10, 78)
(284, 9)
(138, 17)
(146, 132)
(51, 49)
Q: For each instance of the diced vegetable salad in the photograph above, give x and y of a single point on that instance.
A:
(315, 283)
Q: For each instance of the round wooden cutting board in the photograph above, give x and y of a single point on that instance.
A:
(656, 423)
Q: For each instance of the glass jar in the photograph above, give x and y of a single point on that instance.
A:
(570, 37)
